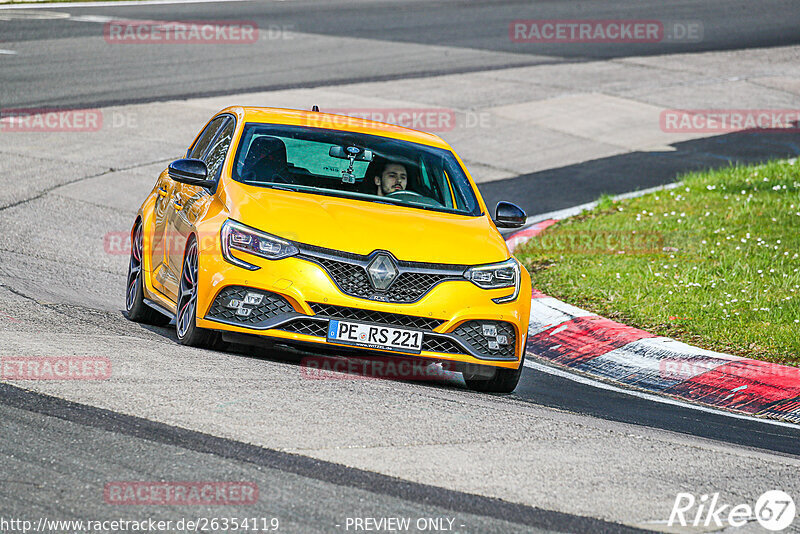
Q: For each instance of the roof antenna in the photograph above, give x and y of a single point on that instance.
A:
(315, 108)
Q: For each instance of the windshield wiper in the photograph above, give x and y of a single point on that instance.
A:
(272, 185)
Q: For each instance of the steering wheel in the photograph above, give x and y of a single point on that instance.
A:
(404, 192)
(413, 196)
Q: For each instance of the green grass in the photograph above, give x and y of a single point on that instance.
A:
(714, 262)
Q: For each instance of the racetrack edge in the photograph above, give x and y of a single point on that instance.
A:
(578, 340)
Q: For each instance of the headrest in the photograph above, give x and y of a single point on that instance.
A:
(266, 147)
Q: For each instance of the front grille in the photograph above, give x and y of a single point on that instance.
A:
(230, 306)
(357, 314)
(349, 273)
(441, 344)
(479, 339)
(308, 327)
(351, 279)
(410, 287)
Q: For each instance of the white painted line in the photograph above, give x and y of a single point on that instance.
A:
(642, 192)
(100, 19)
(9, 52)
(114, 4)
(558, 331)
(547, 312)
(648, 396)
(560, 214)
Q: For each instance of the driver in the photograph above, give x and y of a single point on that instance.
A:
(391, 177)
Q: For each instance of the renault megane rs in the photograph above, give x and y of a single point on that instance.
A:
(331, 232)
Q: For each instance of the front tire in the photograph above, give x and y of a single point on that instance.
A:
(135, 308)
(502, 380)
(186, 319)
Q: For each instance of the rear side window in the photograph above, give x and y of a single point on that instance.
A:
(206, 137)
(219, 149)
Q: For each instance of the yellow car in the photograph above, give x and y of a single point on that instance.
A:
(331, 232)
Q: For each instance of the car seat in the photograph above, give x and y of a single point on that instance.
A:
(266, 161)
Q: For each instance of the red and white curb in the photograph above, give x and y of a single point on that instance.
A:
(581, 341)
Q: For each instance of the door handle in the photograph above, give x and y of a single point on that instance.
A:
(178, 203)
(162, 192)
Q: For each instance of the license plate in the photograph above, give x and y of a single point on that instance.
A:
(375, 337)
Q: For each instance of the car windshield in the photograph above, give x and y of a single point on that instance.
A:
(359, 166)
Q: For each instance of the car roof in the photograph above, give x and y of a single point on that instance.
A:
(332, 121)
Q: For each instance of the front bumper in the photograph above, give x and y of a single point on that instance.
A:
(459, 321)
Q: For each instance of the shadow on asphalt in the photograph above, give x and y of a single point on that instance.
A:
(572, 185)
(320, 364)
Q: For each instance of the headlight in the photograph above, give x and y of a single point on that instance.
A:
(236, 236)
(496, 276)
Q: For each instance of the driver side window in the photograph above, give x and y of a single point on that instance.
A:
(217, 153)
(205, 138)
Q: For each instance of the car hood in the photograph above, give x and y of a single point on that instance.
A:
(362, 227)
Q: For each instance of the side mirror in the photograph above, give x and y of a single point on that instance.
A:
(190, 171)
(508, 215)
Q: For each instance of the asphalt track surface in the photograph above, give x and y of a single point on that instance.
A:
(57, 453)
(424, 38)
(305, 494)
(62, 60)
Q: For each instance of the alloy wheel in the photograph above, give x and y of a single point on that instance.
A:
(187, 292)
(134, 269)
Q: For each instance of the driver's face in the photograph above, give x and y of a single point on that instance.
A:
(394, 178)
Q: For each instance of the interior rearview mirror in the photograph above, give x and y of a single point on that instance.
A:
(358, 153)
